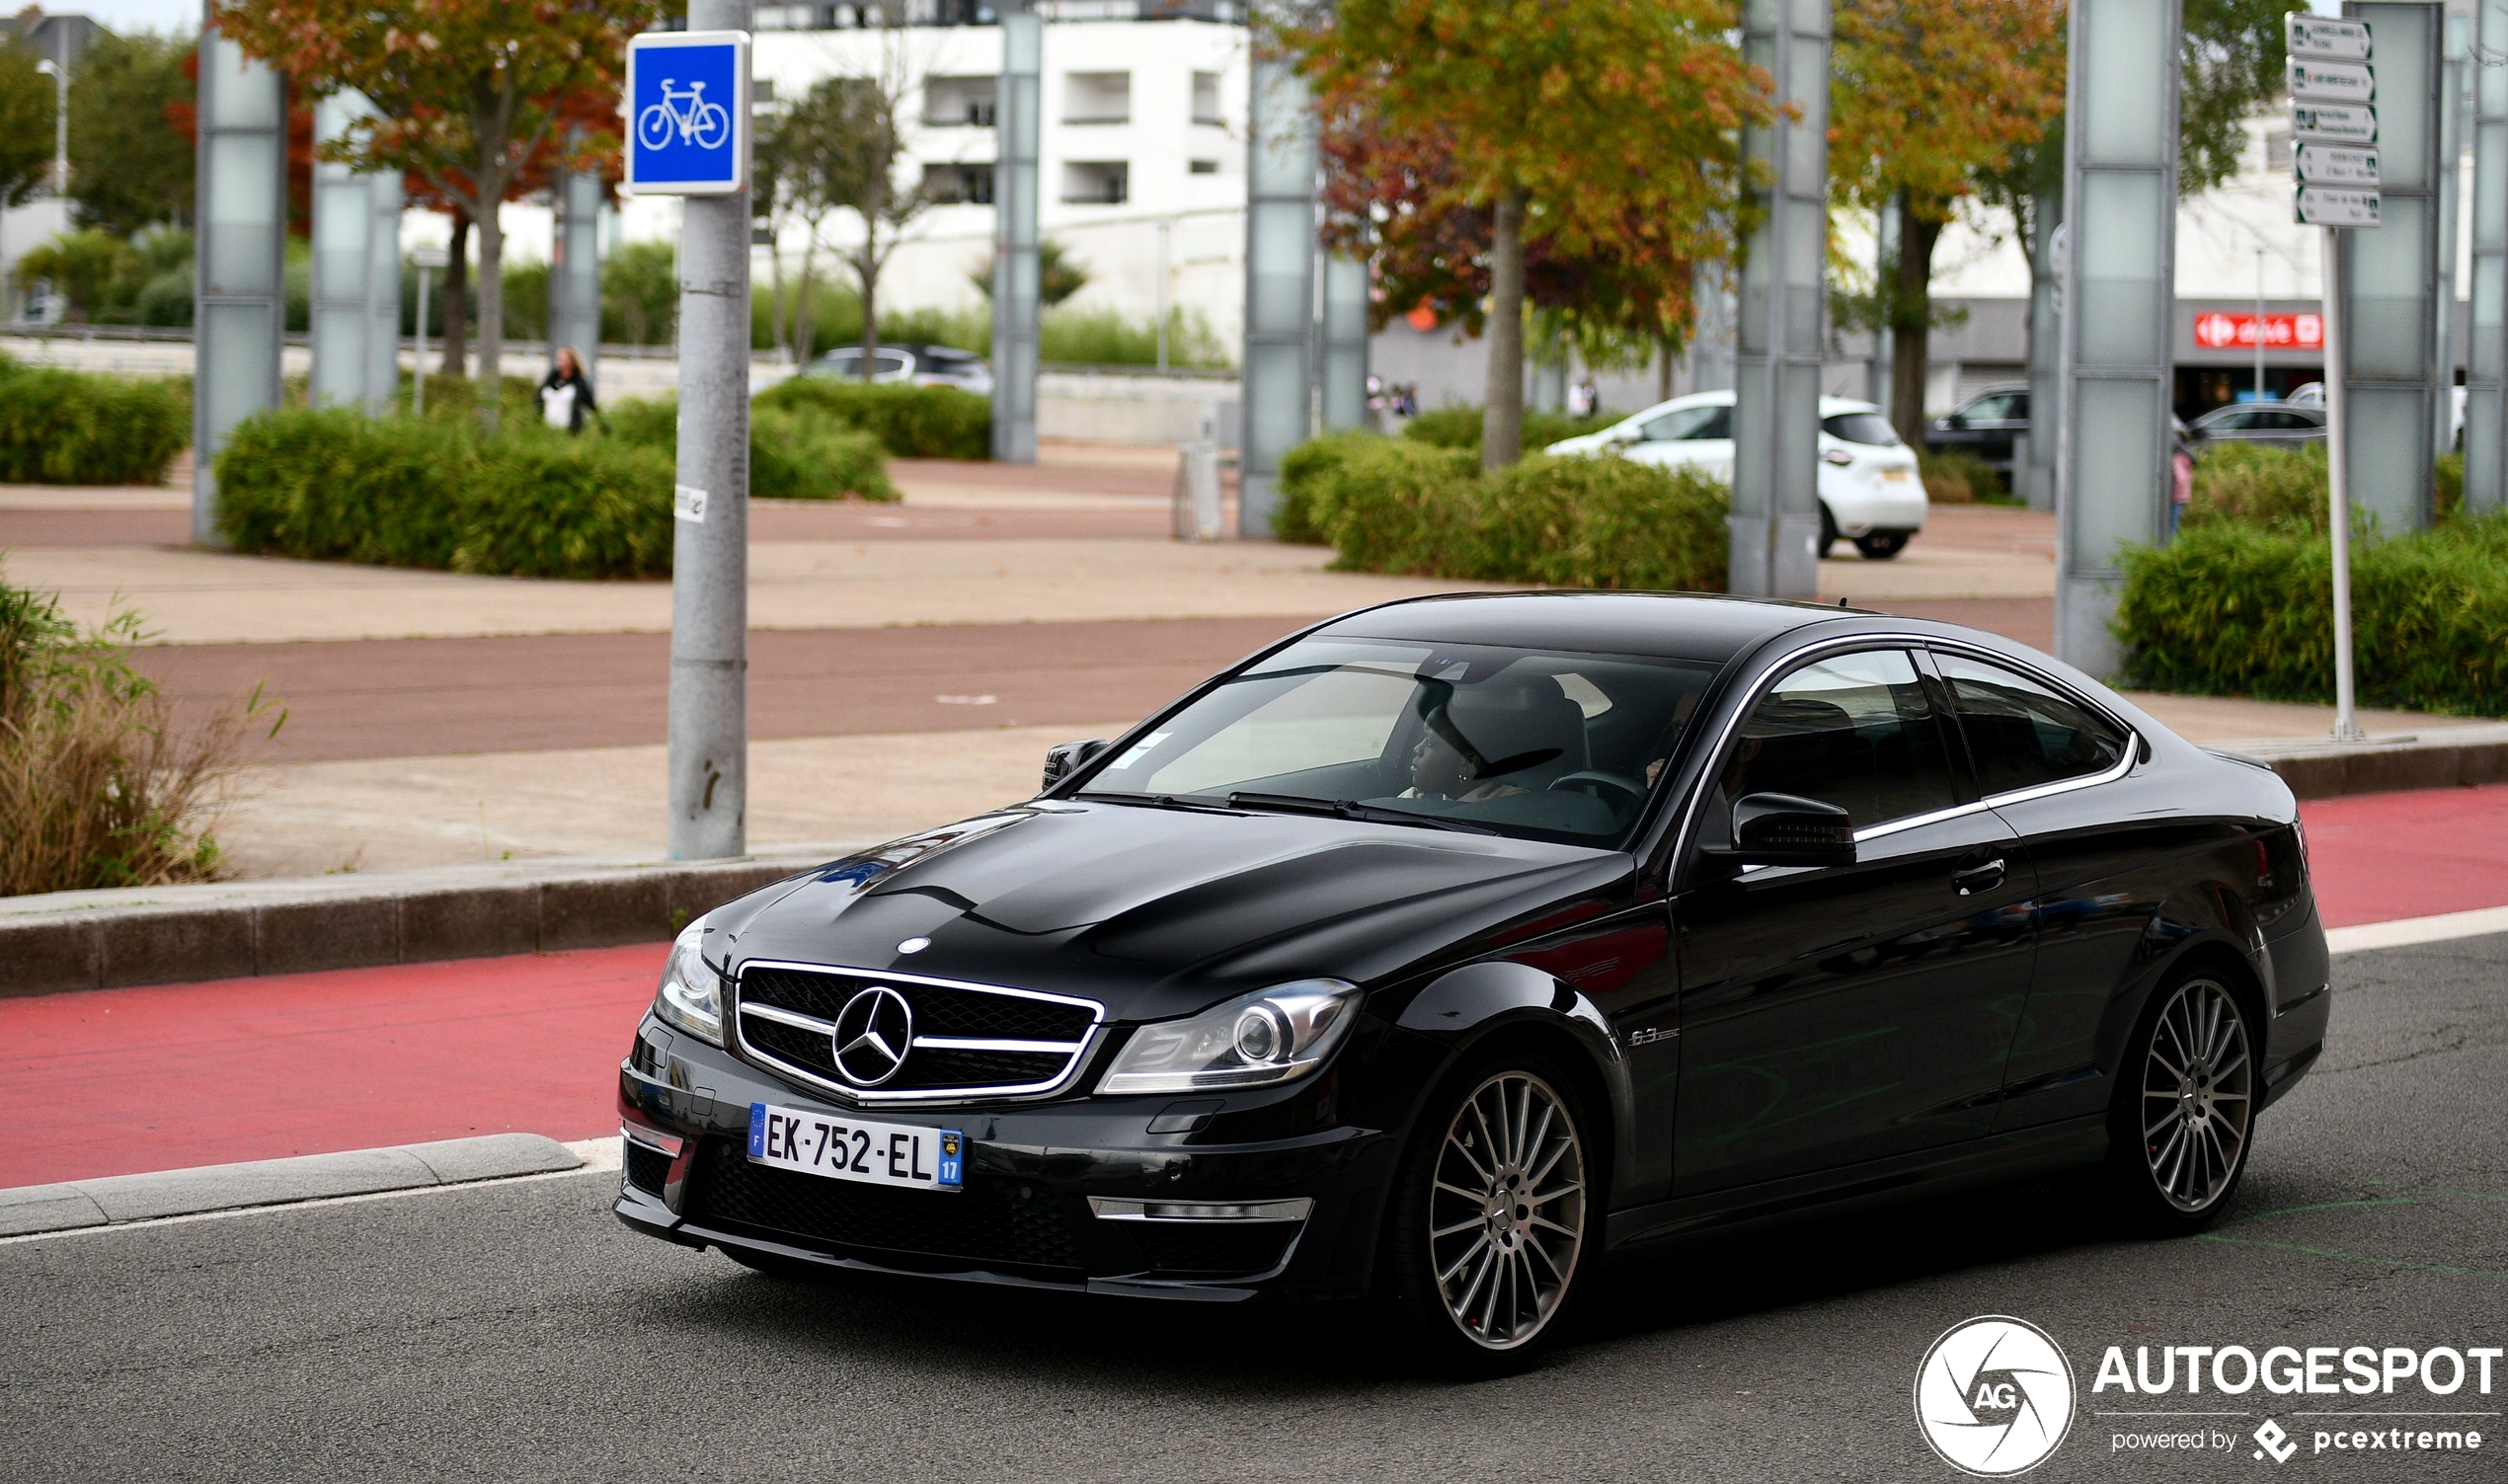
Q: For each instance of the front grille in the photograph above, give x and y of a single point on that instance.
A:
(1215, 1248)
(647, 1169)
(1056, 1032)
(996, 1223)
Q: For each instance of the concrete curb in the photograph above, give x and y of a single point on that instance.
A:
(2455, 757)
(118, 1199)
(110, 940)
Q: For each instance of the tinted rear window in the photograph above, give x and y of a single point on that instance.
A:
(1861, 427)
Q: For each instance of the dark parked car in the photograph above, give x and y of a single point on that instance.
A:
(918, 366)
(2277, 423)
(1985, 425)
(1444, 948)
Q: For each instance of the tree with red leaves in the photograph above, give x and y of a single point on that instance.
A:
(470, 96)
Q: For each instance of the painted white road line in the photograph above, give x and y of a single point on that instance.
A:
(2445, 926)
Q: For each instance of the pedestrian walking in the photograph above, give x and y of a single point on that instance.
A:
(565, 394)
(2181, 462)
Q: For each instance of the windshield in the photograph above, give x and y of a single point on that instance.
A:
(1557, 747)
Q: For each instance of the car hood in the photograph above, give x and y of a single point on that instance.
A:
(1156, 911)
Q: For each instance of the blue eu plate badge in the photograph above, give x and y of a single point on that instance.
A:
(953, 1160)
(688, 112)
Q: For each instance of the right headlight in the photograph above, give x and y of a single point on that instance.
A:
(1270, 1036)
(691, 995)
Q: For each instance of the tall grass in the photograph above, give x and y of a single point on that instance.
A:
(97, 786)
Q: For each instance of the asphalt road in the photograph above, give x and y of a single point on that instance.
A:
(517, 1331)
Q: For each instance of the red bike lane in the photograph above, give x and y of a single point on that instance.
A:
(122, 1081)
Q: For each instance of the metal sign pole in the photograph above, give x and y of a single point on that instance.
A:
(2338, 488)
(688, 135)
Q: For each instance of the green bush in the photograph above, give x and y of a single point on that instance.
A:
(2285, 489)
(793, 453)
(1460, 428)
(1390, 505)
(1957, 476)
(63, 427)
(911, 421)
(2244, 607)
(399, 491)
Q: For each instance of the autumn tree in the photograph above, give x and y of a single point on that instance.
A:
(469, 95)
(27, 104)
(1606, 129)
(131, 164)
(1927, 96)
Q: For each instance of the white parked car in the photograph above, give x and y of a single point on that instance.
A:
(1869, 491)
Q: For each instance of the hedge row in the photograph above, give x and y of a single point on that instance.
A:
(63, 427)
(1460, 428)
(793, 453)
(2286, 489)
(2237, 608)
(398, 491)
(911, 421)
(1392, 504)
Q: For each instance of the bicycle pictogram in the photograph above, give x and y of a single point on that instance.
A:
(687, 115)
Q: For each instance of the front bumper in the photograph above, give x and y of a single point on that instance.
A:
(1026, 1215)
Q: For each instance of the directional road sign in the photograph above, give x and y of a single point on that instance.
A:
(2334, 207)
(688, 112)
(2320, 36)
(2336, 165)
(2334, 122)
(2332, 82)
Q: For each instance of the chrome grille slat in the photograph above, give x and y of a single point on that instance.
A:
(970, 1041)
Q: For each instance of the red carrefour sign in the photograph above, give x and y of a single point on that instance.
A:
(2216, 331)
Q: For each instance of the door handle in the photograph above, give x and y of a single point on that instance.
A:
(1978, 879)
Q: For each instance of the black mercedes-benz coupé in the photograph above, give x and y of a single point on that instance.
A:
(1442, 948)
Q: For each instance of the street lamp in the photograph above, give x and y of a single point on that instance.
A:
(60, 76)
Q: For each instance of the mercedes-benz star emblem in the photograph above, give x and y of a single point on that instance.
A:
(873, 1032)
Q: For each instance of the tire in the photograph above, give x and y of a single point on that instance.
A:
(1828, 531)
(1881, 546)
(2184, 1117)
(1484, 1263)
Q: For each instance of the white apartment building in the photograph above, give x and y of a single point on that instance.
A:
(1143, 160)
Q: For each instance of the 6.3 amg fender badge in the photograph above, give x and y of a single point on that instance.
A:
(873, 1033)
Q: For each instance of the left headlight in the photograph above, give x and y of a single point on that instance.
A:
(1270, 1036)
(691, 995)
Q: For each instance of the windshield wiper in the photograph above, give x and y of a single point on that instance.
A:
(1348, 808)
(1158, 801)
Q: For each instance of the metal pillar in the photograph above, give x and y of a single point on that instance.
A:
(2036, 482)
(383, 294)
(2390, 277)
(2113, 480)
(356, 273)
(1282, 160)
(2486, 358)
(2455, 80)
(709, 588)
(242, 208)
(1016, 306)
(1775, 520)
(575, 272)
(1345, 343)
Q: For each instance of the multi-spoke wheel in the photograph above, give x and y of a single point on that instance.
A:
(1490, 1224)
(2191, 1091)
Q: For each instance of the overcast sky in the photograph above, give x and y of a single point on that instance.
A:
(136, 15)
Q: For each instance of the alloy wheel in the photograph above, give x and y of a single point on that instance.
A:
(2197, 1096)
(1506, 1214)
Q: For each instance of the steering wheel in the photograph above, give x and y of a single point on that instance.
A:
(1602, 785)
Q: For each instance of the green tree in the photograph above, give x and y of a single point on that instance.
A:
(640, 292)
(472, 95)
(867, 148)
(83, 268)
(807, 166)
(1610, 128)
(1059, 274)
(27, 104)
(131, 164)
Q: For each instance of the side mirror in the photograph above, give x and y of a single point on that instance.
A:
(1062, 762)
(1786, 829)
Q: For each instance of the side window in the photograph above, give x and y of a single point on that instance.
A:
(2001, 408)
(2022, 734)
(1689, 424)
(1854, 731)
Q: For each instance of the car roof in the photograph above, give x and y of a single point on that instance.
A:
(1830, 407)
(1707, 627)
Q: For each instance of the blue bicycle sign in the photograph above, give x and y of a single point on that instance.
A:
(688, 112)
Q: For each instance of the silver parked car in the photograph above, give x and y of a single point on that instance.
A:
(2280, 424)
(916, 365)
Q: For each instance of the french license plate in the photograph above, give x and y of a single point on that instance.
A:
(848, 1149)
(1895, 476)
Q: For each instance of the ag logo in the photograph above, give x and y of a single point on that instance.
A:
(1995, 1396)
